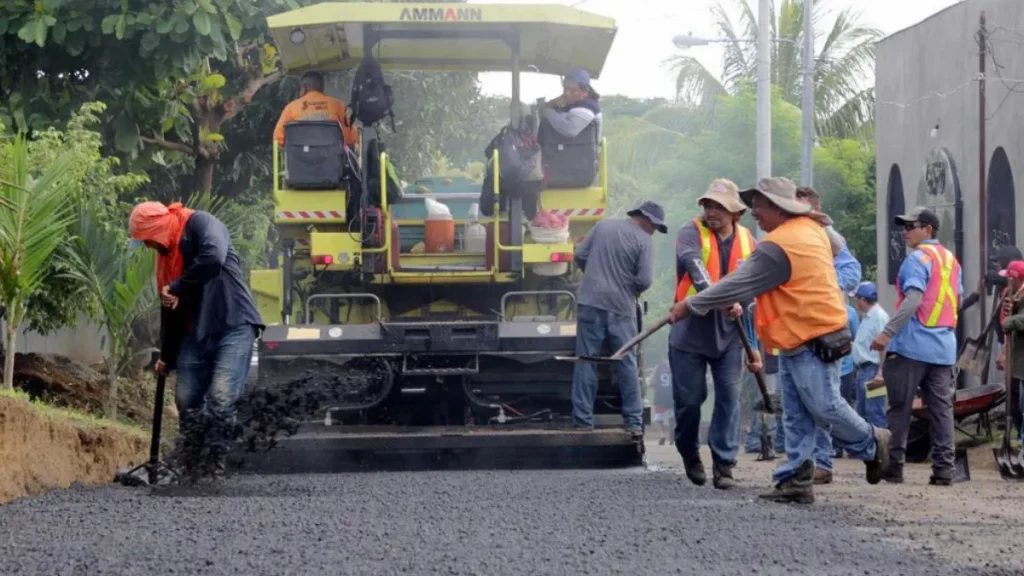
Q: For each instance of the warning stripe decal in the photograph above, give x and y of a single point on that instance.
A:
(310, 215)
(578, 212)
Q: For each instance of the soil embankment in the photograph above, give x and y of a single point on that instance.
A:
(42, 449)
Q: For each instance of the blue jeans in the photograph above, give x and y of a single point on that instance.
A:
(848, 390)
(812, 406)
(871, 409)
(211, 376)
(690, 390)
(593, 327)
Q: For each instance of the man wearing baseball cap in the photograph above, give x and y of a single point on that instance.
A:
(709, 248)
(870, 393)
(800, 312)
(617, 259)
(920, 343)
(577, 107)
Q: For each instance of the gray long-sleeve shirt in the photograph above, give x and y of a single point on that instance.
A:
(906, 311)
(713, 334)
(767, 268)
(617, 259)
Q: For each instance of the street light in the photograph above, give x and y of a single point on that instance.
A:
(686, 41)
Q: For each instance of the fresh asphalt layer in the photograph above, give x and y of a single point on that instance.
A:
(625, 521)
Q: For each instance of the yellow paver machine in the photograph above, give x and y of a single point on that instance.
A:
(447, 350)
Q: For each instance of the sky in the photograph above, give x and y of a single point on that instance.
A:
(635, 66)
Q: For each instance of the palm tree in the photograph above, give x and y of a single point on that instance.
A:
(33, 223)
(846, 56)
(121, 281)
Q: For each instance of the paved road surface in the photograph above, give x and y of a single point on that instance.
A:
(473, 522)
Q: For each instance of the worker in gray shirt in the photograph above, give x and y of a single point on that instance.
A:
(617, 260)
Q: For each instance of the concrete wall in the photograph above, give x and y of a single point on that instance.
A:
(926, 75)
(81, 343)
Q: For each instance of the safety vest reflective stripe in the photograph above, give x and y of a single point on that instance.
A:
(944, 263)
(741, 250)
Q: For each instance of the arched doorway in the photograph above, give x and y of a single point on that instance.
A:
(1001, 208)
(895, 205)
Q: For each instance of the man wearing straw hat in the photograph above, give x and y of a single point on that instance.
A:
(801, 313)
(708, 248)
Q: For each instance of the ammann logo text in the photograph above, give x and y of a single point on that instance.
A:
(442, 14)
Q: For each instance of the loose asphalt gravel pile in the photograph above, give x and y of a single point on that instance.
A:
(477, 522)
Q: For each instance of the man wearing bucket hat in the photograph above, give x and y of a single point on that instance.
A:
(617, 259)
(800, 312)
(708, 248)
(919, 343)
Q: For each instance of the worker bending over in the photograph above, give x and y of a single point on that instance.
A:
(210, 323)
(313, 105)
(920, 343)
(617, 260)
(709, 248)
(800, 312)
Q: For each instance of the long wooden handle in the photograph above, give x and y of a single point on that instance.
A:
(641, 337)
(1008, 368)
(758, 375)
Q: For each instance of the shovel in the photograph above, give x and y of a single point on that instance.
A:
(621, 352)
(1010, 467)
(767, 406)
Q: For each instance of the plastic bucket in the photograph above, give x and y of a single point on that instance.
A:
(439, 235)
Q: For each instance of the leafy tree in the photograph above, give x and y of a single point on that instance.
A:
(843, 105)
(31, 229)
(121, 281)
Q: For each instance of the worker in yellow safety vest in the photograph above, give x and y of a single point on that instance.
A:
(709, 248)
(919, 343)
(801, 312)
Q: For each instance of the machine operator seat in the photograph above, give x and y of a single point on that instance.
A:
(314, 155)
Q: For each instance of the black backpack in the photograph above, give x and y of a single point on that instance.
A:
(371, 97)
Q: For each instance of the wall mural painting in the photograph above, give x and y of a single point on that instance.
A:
(895, 205)
(1001, 209)
(939, 190)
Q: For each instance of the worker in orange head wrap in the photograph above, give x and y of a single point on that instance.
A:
(210, 325)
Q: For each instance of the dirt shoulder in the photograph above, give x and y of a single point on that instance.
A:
(973, 523)
(43, 448)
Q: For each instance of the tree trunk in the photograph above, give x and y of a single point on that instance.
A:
(204, 173)
(110, 409)
(12, 333)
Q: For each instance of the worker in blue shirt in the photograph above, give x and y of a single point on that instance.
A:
(870, 392)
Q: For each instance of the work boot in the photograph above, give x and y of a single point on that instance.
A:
(798, 489)
(940, 481)
(722, 477)
(875, 469)
(822, 476)
(695, 471)
(893, 476)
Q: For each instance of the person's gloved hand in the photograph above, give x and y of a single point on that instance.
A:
(678, 312)
(735, 311)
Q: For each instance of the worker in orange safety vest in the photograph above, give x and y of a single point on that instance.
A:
(800, 312)
(707, 249)
(313, 104)
(919, 343)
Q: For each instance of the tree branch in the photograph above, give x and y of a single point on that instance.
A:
(236, 104)
(168, 145)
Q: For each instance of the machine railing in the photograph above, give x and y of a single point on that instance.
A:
(308, 313)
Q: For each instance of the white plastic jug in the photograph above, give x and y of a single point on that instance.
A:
(475, 236)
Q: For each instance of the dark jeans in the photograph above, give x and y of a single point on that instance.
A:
(690, 390)
(903, 377)
(211, 376)
(848, 391)
(593, 327)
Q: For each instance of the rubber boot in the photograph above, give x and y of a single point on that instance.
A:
(798, 489)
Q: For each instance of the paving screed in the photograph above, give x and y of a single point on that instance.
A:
(631, 521)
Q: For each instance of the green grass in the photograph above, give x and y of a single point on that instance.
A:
(73, 416)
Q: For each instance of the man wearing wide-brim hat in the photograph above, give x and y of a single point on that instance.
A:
(708, 248)
(800, 312)
(617, 259)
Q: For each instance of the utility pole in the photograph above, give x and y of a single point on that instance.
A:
(807, 163)
(982, 162)
(764, 93)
